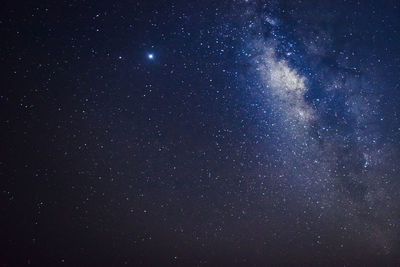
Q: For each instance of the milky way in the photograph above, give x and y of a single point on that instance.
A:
(220, 133)
(345, 155)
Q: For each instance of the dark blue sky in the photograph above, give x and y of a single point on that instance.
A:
(260, 133)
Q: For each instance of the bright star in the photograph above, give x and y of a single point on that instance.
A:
(150, 56)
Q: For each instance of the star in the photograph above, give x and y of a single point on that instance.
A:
(150, 56)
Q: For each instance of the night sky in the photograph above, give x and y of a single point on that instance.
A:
(191, 133)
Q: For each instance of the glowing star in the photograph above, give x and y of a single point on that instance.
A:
(150, 56)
